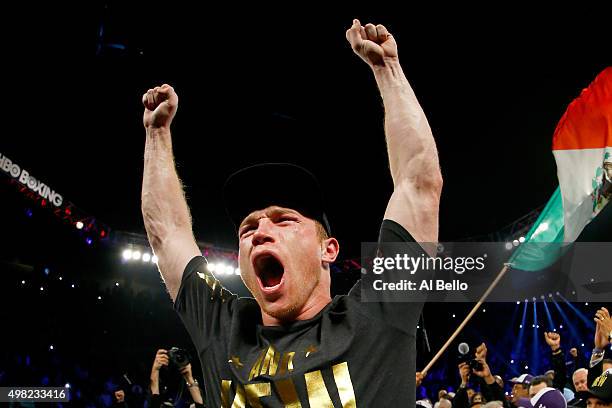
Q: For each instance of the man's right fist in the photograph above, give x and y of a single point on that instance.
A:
(160, 105)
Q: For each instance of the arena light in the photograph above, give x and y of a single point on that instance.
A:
(41, 289)
(511, 361)
(154, 259)
(67, 385)
(229, 270)
(127, 254)
(453, 315)
(116, 283)
(211, 267)
(237, 271)
(79, 225)
(51, 347)
(508, 245)
(520, 326)
(518, 303)
(23, 282)
(522, 240)
(146, 257)
(515, 242)
(60, 278)
(72, 286)
(136, 255)
(99, 297)
(526, 367)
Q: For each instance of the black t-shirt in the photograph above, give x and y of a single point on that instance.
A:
(350, 354)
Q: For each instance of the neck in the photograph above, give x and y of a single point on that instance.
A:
(317, 302)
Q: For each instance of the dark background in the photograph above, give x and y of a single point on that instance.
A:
(257, 83)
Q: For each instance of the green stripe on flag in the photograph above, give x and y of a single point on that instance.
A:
(543, 244)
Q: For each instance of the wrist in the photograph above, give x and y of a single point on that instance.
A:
(389, 75)
(489, 379)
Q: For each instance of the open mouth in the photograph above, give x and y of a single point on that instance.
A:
(269, 270)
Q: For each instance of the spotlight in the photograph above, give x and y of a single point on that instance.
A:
(560, 326)
(116, 283)
(537, 326)
(79, 225)
(418, 327)
(586, 304)
(484, 310)
(146, 257)
(526, 367)
(542, 297)
(88, 240)
(41, 289)
(511, 361)
(582, 345)
(51, 347)
(72, 285)
(46, 270)
(518, 303)
(515, 242)
(237, 271)
(533, 326)
(67, 385)
(520, 326)
(550, 295)
(453, 316)
(154, 259)
(220, 268)
(508, 245)
(127, 254)
(136, 255)
(99, 297)
(522, 239)
(229, 270)
(211, 267)
(60, 278)
(533, 298)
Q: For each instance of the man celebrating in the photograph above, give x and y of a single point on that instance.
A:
(292, 345)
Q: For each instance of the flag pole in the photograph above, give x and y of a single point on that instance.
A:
(468, 317)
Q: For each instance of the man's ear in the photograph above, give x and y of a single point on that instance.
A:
(330, 248)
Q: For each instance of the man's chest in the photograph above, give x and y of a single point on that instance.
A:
(335, 369)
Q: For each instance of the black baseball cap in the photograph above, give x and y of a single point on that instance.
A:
(267, 184)
(600, 389)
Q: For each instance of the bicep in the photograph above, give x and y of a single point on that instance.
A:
(173, 255)
(416, 208)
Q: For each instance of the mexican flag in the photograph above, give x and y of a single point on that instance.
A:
(582, 146)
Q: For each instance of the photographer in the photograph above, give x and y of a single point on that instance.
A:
(162, 359)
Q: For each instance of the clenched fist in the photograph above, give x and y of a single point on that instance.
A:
(372, 43)
(160, 105)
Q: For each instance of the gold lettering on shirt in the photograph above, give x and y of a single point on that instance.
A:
(286, 392)
(255, 369)
(239, 400)
(255, 391)
(267, 360)
(317, 391)
(225, 393)
(344, 384)
(286, 365)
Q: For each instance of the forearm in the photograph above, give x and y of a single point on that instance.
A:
(164, 207)
(154, 385)
(165, 212)
(413, 156)
(196, 394)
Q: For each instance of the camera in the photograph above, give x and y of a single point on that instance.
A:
(475, 365)
(179, 358)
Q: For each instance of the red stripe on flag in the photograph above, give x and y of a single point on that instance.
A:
(587, 122)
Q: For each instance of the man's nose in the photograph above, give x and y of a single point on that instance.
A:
(263, 232)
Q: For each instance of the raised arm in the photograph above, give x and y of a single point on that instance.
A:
(413, 157)
(164, 208)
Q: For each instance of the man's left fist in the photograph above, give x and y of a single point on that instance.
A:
(372, 43)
